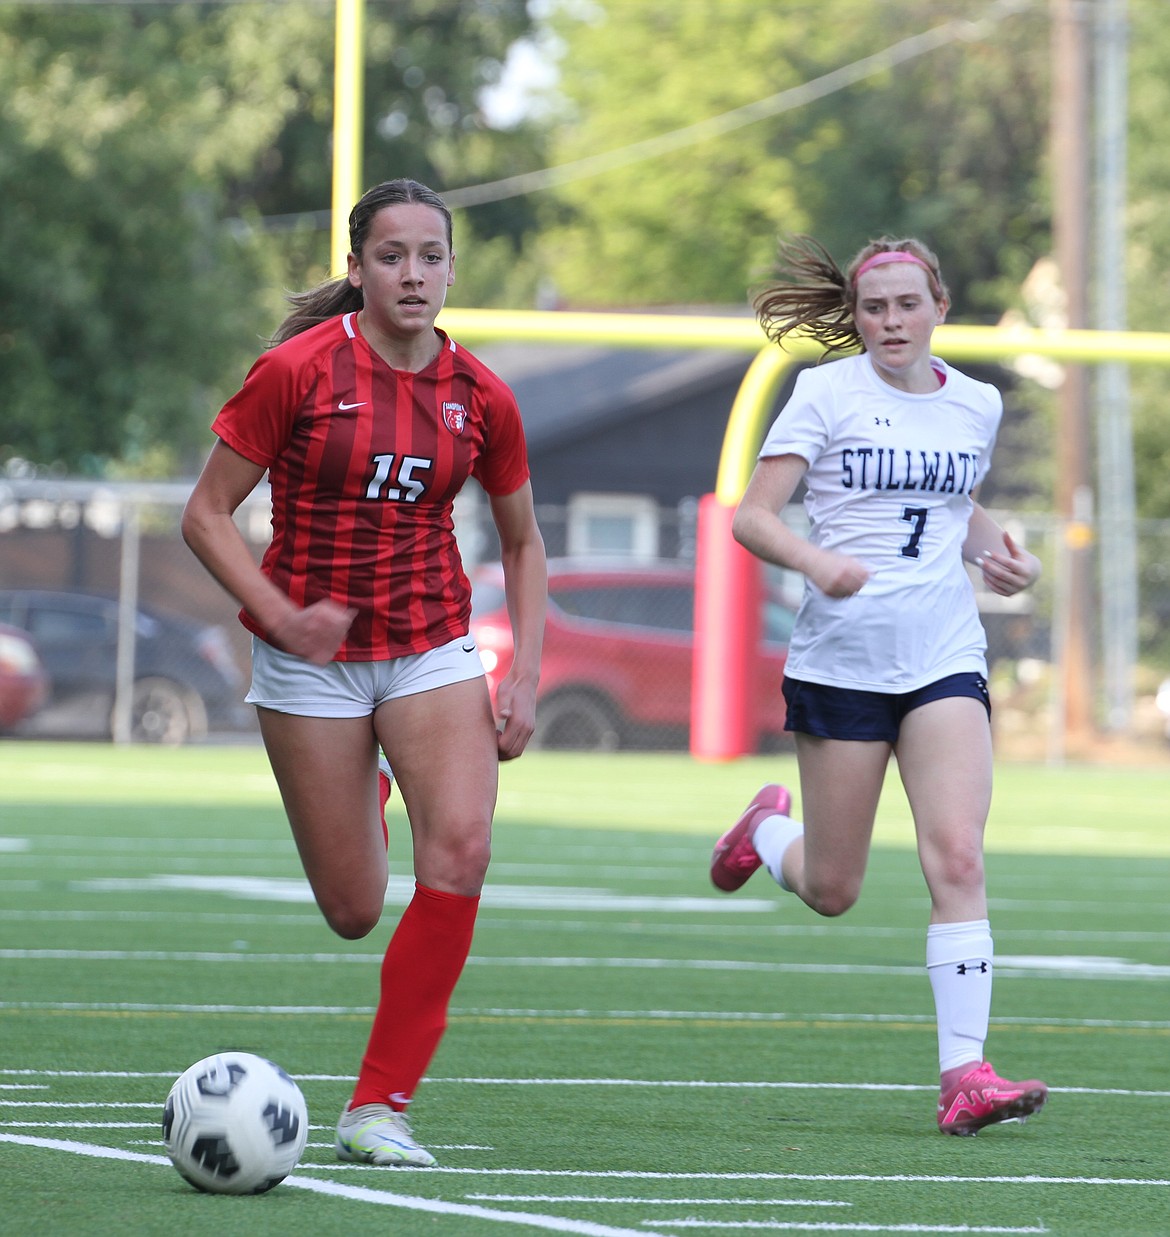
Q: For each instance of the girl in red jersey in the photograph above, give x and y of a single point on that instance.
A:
(368, 420)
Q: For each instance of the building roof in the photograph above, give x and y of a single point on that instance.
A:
(568, 391)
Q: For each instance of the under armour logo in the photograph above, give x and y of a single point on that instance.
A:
(881, 420)
(963, 968)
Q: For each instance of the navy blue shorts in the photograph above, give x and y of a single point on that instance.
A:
(842, 713)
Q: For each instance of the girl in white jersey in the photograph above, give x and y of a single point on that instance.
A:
(888, 653)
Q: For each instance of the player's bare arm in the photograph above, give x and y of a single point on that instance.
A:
(1007, 567)
(526, 588)
(757, 526)
(314, 633)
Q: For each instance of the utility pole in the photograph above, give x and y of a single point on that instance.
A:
(1115, 479)
(1074, 493)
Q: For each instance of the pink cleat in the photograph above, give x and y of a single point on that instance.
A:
(735, 858)
(980, 1097)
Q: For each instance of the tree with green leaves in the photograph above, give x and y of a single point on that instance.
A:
(841, 117)
(145, 148)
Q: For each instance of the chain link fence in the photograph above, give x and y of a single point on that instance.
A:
(141, 645)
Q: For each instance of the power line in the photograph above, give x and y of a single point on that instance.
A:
(959, 30)
(737, 118)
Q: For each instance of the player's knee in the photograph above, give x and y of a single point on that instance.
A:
(831, 898)
(459, 862)
(470, 857)
(349, 918)
(959, 867)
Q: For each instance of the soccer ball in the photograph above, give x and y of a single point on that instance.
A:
(235, 1123)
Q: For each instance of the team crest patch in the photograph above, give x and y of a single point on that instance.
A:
(454, 417)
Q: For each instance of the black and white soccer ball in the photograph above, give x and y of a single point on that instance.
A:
(235, 1123)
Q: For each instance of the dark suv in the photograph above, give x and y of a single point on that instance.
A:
(186, 680)
(618, 653)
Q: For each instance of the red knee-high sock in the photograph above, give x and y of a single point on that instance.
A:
(423, 963)
(384, 788)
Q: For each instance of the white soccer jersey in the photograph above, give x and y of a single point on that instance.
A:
(889, 482)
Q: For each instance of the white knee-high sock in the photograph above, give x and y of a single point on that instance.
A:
(773, 836)
(959, 959)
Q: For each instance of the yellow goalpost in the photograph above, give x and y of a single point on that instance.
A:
(727, 578)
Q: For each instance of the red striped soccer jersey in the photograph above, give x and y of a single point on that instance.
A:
(365, 462)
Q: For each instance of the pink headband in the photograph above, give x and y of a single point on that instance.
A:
(890, 255)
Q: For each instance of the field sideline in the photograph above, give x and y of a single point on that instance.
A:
(1070, 809)
(629, 1052)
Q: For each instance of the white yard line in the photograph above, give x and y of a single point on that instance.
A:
(647, 1228)
(1033, 1179)
(658, 1202)
(829, 1227)
(841, 931)
(383, 1198)
(71, 1104)
(648, 1016)
(1032, 967)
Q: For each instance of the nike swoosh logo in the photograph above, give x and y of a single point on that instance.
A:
(342, 406)
(469, 648)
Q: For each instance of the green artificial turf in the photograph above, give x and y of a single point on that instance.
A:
(628, 1051)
